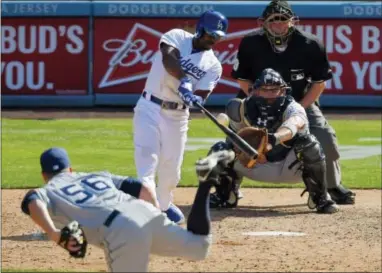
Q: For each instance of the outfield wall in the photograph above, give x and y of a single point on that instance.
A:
(82, 53)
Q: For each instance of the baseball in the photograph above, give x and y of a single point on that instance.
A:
(223, 119)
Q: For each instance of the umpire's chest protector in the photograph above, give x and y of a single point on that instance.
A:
(294, 64)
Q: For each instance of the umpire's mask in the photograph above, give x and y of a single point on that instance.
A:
(278, 22)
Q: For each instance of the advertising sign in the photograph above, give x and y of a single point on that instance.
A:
(124, 49)
(44, 56)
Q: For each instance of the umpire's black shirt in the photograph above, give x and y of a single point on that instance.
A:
(304, 60)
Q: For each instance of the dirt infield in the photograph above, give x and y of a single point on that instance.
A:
(348, 241)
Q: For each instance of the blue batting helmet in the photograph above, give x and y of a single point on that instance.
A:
(213, 23)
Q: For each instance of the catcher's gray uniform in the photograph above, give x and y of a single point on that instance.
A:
(128, 229)
(277, 171)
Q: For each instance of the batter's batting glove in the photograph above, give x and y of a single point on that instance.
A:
(185, 92)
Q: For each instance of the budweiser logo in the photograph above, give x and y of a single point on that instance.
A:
(132, 57)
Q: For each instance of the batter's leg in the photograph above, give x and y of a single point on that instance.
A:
(146, 144)
(174, 137)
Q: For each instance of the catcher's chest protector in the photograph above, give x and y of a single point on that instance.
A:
(270, 117)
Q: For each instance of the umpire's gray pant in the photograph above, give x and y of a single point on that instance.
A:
(325, 134)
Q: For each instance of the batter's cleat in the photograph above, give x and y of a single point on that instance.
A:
(342, 196)
(209, 168)
(175, 214)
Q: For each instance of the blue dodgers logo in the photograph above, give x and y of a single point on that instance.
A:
(192, 69)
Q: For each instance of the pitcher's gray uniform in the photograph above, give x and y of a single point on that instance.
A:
(127, 238)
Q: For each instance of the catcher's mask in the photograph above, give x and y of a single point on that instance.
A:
(270, 88)
(278, 22)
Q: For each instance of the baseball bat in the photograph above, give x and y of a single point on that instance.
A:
(235, 138)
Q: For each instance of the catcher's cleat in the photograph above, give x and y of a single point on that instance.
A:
(211, 166)
(342, 196)
(327, 207)
(321, 204)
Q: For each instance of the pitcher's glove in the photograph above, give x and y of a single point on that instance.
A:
(73, 240)
(258, 139)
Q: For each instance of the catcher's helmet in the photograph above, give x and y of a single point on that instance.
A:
(271, 81)
(213, 23)
(270, 77)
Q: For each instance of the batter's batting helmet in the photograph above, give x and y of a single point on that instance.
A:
(213, 23)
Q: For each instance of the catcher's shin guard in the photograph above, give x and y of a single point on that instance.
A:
(309, 152)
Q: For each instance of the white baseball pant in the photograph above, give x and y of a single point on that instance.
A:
(160, 137)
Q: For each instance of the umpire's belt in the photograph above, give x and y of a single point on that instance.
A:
(164, 104)
(111, 218)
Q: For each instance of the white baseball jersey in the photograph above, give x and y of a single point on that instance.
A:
(203, 68)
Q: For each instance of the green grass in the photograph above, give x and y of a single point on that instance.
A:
(107, 144)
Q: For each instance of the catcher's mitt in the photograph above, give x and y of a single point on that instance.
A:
(258, 139)
(73, 240)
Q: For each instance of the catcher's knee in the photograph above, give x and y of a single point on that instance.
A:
(308, 150)
(328, 140)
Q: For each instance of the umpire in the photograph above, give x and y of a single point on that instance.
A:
(302, 61)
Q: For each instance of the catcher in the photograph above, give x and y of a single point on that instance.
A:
(106, 210)
(277, 126)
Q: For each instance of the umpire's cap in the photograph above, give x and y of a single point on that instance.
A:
(278, 7)
(54, 160)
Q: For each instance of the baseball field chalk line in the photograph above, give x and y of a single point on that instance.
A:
(366, 139)
(273, 233)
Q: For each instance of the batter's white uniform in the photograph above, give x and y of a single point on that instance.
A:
(139, 229)
(160, 134)
(276, 172)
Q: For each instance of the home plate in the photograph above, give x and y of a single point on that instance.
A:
(273, 233)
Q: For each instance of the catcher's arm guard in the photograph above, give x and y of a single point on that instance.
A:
(73, 240)
(258, 139)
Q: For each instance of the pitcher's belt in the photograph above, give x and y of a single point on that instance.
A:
(164, 104)
(111, 218)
